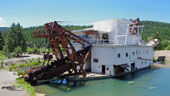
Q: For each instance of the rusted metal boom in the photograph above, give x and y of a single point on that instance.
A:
(67, 57)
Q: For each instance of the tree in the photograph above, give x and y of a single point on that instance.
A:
(18, 51)
(36, 50)
(16, 38)
(1, 41)
(20, 38)
(6, 50)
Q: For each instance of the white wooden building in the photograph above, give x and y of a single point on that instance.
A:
(117, 46)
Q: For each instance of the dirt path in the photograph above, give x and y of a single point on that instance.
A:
(29, 56)
(8, 79)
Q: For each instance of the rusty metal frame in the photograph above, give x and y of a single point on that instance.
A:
(64, 37)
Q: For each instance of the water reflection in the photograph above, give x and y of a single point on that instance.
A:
(135, 75)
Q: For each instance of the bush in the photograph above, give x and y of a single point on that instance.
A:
(43, 50)
(6, 51)
(17, 51)
(29, 50)
(168, 47)
(22, 65)
(21, 83)
(2, 56)
(2, 64)
(36, 50)
(34, 63)
(12, 67)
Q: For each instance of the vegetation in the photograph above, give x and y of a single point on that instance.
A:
(17, 51)
(20, 81)
(2, 65)
(36, 62)
(168, 47)
(22, 84)
(2, 56)
(16, 38)
(157, 30)
(19, 40)
(43, 42)
(1, 41)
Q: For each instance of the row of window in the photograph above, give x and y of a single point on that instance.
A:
(118, 55)
(133, 53)
(144, 62)
(96, 60)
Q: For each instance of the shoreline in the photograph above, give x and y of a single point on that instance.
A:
(40, 94)
(165, 53)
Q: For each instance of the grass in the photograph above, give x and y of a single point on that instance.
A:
(2, 56)
(20, 81)
(19, 68)
(24, 85)
(30, 64)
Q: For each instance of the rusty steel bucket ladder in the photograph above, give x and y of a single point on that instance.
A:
(69, 61)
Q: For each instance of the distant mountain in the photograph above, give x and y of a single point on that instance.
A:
(4, 28)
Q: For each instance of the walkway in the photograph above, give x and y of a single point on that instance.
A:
(8, 79)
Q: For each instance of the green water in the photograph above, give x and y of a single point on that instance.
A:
(154, 82)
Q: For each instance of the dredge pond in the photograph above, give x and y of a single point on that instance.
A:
(149, 82)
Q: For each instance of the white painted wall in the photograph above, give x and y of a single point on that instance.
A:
(107, 55)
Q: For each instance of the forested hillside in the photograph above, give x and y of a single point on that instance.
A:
(43, 42)
(158, 30)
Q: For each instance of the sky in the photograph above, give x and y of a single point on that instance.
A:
(38, 12)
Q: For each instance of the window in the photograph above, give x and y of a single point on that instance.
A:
(146, 51)
(118, 55)
(133, 53)
(126, 54)
(107, 68)
(95, 60)
(136, 51)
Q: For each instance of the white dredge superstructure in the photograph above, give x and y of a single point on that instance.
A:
(117, 47)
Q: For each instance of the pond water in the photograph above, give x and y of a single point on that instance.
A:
(149, 82)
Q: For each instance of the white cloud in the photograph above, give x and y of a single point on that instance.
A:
(1, 19)
(2, 22)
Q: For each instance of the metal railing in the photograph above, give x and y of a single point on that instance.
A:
(103, 42)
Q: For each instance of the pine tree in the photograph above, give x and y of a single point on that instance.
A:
(1, 41)
(11, 38)
(20, 38)
(16, 38)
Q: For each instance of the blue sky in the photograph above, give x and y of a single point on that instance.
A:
(37, 12)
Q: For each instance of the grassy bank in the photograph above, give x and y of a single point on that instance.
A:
(20, 81)
(26, 86)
